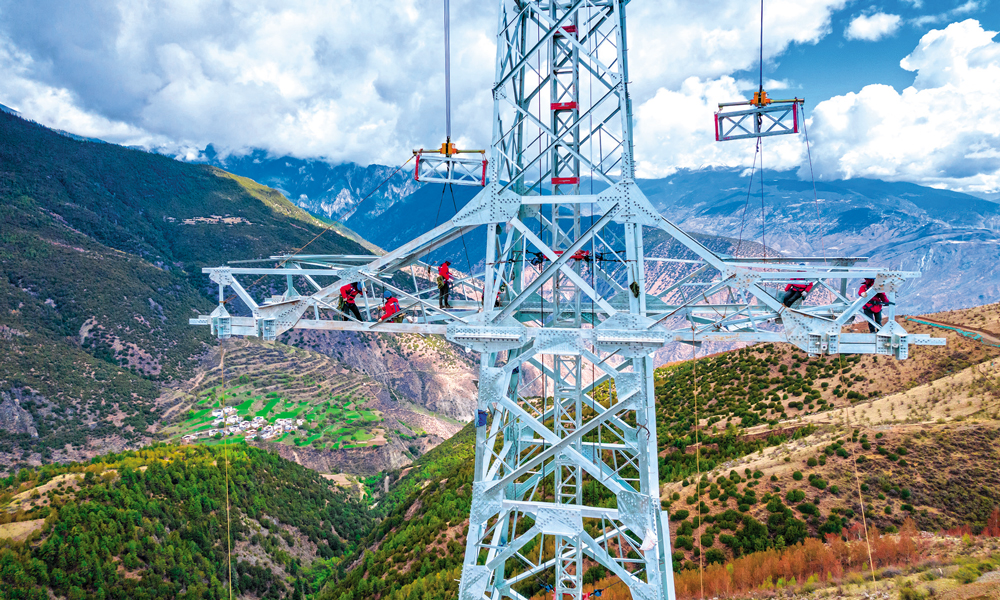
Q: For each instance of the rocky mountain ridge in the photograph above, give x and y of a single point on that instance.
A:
(951, 237)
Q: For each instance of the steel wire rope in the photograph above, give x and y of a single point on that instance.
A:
(763, 216)
(812, 176)
(328, 228)
(225, 451)
(466, 248)
(746, 205)
(857, 480)
(697, 461)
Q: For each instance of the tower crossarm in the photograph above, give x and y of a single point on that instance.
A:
(565, 310)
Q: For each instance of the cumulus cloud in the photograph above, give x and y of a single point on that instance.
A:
(874, 27)
(676, 130)
(941, 131)
(359, 81)
(356, 81)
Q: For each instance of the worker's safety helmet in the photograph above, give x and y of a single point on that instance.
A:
(387, 294)
(869, 280)
(447, 262)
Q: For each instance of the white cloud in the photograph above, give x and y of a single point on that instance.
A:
(872, 27)
(355, 80)
(942, 131)
(676, 130)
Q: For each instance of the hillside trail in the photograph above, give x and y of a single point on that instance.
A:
(988, 337)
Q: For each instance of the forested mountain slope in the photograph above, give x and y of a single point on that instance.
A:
(153, 524)
(101, 250)
(772, 459)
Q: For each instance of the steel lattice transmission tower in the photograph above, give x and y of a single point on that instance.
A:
(561, 314)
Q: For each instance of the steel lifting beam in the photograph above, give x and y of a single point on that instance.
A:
(556, 335)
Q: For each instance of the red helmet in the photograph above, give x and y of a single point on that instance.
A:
(869, 280)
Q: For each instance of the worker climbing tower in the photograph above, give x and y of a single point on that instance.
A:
(561, 311)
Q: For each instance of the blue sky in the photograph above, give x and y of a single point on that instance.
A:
(836, 65)
(362, 80)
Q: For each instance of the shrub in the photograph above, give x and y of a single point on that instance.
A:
(967, 574)
(679, 515)
(812, 462)
(797, 476)
(707, 539)
(714, 555)
(795, 496)
(808, 508)
(908, 592)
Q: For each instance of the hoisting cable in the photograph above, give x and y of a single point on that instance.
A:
(697, 461)
(812, 175)
(763, 219)
(857, 479)
(746, 205)
(225, 451)
(760, 143)
(466, 248)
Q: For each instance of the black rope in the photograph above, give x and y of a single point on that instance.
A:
(812, 175)
(763, 220)
(746, 205)
(466, 248)
(440, 202)
(761, 61)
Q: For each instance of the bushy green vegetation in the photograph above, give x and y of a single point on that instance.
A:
(734, 391)
(101, 272)
(152, 524)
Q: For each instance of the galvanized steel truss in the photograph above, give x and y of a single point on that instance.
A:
(563, 317)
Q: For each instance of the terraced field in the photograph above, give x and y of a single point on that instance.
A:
(275, 382)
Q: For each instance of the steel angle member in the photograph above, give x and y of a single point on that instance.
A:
(488, 338)
(634, 207)
(220, 275)
(637, 511)
(569, 342)
(629, 334)
(920, 339)
(486, 502)
(627, 385)
(490, 205)
(283, 315)
(474, 580)
(630, 343)
(493, 383)
(222, 323)
(566, 521)
(892, 338)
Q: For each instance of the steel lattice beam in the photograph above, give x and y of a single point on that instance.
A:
(563, 316)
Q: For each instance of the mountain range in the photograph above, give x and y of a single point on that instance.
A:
(951, 237)
(101, 251)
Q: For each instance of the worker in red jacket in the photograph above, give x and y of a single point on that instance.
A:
(347, 295)
(873, 310)
(444, 284)
(391, 310)
(796, 291)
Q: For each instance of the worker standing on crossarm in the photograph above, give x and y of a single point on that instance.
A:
(873, 310)
(348, 293)
(444, 284)
(796, 292)
(391, 310)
